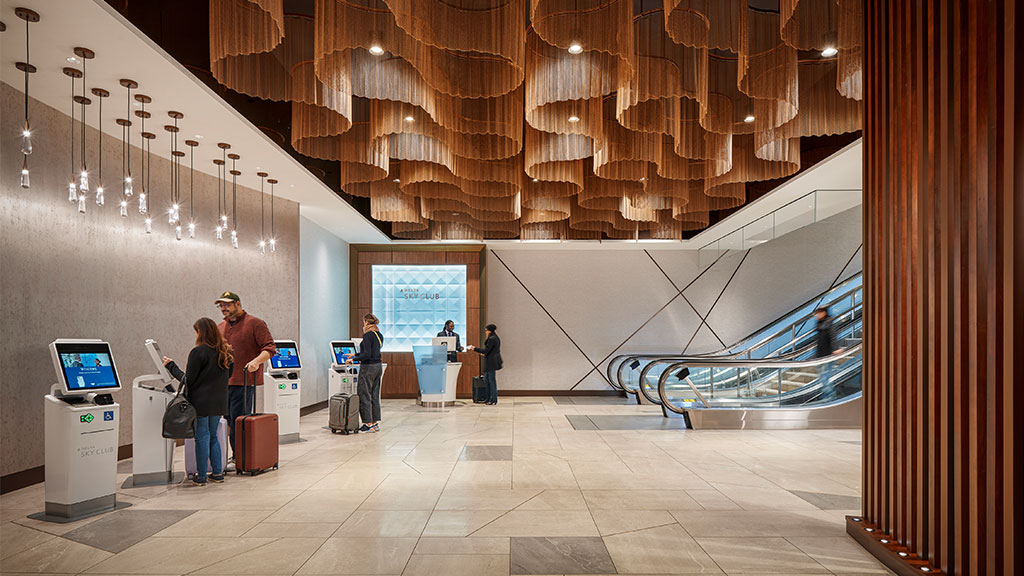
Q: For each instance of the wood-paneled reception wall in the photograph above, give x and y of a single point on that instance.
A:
(944, 287)
(400, 379)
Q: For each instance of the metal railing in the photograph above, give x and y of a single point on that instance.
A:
(805, 210)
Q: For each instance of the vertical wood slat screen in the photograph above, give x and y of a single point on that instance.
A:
(944, 282)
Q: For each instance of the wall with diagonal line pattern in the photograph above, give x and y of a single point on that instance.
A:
(563, 314)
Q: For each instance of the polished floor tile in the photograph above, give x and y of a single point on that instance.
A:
(516, 488)
(560, 556)
(487, 453)
(360, 556)
(125, 528)
(830, 501)
(56, 556)
(475, 564)
(662, 550)
(759, 555)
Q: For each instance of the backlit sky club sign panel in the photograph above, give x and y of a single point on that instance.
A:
(413, 302)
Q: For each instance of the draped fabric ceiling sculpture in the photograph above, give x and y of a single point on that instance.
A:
(548, 119)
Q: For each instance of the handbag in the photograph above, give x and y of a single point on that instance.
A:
(179, 417)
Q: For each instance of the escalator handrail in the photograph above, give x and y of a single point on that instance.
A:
(729, 362)
(643, 389)
(723, 352)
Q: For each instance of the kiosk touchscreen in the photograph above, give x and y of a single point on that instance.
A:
(81, 425)
(282, 389)
(152, 454)
(342, 378)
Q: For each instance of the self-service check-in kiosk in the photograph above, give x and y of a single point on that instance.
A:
(342, 378)
(282, 389)
(152, 454)
(81, 426)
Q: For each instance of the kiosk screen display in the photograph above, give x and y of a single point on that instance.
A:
(87, 367)
(343, 351)
(287, 356)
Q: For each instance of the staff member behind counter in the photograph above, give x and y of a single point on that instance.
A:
(449, 332)
(252, 345)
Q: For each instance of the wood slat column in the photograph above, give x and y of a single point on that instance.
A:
(944, 287)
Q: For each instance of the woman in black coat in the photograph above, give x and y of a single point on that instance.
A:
(206, 387)
(492, 361)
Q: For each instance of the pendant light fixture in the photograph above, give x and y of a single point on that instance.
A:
(234, 200)
(147, 170)
(174, 217)
(273, 237)
(142, 99)
(191, 191)
(100, 94)
(263, 236)
(219, 231)
(27, 68)
(84, 54)
(74, 74)
(126, 132)
(222, 218)
(127, 190)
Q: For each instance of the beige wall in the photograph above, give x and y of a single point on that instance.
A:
(95, 275)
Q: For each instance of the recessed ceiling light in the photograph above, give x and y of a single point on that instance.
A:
(749, 118)
(829, 52)
(575, 48)
(409, 118)
(198, 136)
(535, 180)
(643, 178)
(376, 50)
(72, 59)
(396, 180)
(574, 119)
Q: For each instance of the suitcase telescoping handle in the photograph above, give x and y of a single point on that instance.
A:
(245, 393)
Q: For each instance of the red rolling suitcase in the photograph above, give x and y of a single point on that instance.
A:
(255, 439)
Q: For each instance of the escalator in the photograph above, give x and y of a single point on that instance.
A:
(769, 380)
(790, 337)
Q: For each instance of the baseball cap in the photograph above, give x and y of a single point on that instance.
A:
(227, 297)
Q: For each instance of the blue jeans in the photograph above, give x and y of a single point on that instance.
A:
(239, 404)
(207, 446)
(492, 386)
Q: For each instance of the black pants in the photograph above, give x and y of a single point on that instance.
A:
(369, 392)
(492, 386)
(241, 401)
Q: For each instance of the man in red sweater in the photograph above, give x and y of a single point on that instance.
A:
(252, 345)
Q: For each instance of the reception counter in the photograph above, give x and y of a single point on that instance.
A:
(401, 382)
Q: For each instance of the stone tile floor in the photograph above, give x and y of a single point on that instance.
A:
(481, 490)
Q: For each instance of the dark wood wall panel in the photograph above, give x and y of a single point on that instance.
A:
(944, 287)
(400, 380)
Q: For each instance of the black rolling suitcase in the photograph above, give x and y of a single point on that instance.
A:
(344, 413)
(479, 390)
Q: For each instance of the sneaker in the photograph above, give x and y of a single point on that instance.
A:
(375, 428)
(363, 428)
(216, 478)
(198, 482)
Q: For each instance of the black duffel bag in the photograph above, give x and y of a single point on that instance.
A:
(179, 417)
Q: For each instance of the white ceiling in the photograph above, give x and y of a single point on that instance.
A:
(122, 51)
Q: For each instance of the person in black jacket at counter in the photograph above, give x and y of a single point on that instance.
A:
(206, 387)
(492, 361)
(369, 374)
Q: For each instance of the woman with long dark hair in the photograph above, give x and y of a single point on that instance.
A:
(206, 386)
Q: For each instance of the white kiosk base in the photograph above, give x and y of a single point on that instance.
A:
(282, 396)
(152, 454)
(446, 398)
(81, 459)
